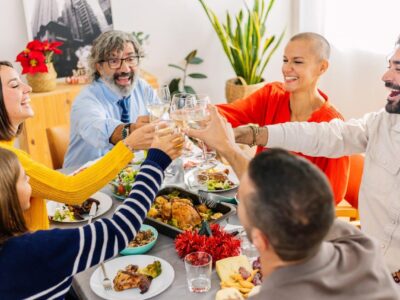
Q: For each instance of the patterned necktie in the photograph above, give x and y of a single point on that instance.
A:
(123, 103)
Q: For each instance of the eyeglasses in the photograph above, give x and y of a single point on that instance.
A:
(116, 63)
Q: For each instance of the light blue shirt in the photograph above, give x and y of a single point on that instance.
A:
(94, 116)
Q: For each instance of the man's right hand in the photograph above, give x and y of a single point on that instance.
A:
(141, 138)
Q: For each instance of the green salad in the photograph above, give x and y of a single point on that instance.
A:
(124, 181)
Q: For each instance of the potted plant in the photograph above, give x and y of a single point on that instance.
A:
(179, 84)
(247, 45)
(37, 62)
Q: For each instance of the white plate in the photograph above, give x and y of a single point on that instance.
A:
(157, 286)
(104, 206)
(231, 176)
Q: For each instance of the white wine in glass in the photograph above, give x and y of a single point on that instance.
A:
(160, 105)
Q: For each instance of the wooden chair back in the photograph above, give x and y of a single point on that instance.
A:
(58, 137)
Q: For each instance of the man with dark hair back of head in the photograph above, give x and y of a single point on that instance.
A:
(114, 104)
(286, 208)
(284, 202)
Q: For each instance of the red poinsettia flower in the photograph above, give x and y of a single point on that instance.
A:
(52, 46)
(36, 55)
(33, 63)
(34, 45)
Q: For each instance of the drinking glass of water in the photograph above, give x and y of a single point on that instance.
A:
(198, 271)
(247, 248)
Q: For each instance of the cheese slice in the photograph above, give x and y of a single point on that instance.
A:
(228, 266)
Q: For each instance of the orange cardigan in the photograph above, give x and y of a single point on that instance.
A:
(271, 105)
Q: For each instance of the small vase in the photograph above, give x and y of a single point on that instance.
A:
(43, 82)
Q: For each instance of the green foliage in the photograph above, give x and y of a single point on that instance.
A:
(178, 85)
(244, 39)
(140, 37)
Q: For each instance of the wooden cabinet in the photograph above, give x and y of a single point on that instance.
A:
(51, 109)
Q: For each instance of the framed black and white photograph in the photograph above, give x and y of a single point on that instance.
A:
(76, 23)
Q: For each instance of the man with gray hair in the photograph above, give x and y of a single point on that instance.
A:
(114, 104)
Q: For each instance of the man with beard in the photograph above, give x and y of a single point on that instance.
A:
(287, 211)
(377, 134)
(114, 104)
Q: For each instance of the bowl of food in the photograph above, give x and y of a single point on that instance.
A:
(122, 184)
(144, 240)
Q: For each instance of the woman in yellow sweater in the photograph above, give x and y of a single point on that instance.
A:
(46, 183)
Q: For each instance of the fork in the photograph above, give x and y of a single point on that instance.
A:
(106, 281)
(206, 198)
(107, 285)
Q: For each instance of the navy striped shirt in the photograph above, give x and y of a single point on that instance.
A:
(41, 265)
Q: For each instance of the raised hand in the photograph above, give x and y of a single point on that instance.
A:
(141, 121)
(217, 134)
(141, 138)
(168, 141)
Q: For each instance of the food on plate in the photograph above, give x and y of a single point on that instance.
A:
(228, 266)
(180, 212)
(124, 181)
(133, 277)
(143, 237)
(228, 294)
(153, 270)
(190, 165)
(217, 180)
(130, 279)
(236, 272)
(63, 214)
(68, 213)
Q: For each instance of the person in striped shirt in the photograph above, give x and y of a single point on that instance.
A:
(41, 264)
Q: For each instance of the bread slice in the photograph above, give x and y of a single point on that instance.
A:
(228, 293)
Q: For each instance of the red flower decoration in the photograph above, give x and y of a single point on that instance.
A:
(220, 245)
(36, 55)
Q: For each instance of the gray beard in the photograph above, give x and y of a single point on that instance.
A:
(393, 108)
(123, 91)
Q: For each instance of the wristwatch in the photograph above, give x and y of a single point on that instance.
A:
(126, 130)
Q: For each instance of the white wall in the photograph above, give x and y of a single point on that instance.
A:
(175, 26)
(178, 26)
(13, 37)
(353, 81)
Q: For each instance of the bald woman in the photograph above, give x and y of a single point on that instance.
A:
(296, 99)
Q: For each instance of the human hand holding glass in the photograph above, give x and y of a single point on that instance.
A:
(179, 113)
(197, 117)
(159, 106)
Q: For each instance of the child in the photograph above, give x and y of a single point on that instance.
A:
(41, 264)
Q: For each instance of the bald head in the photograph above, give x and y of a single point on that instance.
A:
(320, 46)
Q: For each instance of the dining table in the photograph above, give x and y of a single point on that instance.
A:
(164, 248)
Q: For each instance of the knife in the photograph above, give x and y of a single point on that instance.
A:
(92, 212)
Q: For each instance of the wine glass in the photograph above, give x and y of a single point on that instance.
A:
(178, 113)
(159, 106)
(197, 115)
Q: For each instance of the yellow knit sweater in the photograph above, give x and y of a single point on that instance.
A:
(50, 184)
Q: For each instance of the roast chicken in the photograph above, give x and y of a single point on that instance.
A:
(176, 210)
(129, 279)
